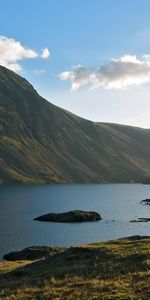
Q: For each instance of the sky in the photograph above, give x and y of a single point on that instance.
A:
(91, 57)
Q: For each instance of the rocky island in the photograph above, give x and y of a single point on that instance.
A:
(71, 216)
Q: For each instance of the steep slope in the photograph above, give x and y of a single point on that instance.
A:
(40, 142)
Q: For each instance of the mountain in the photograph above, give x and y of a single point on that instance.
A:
(42, 143)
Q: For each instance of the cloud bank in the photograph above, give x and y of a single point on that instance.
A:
(119, 73)
(12, 52)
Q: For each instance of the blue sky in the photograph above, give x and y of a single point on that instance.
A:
(83, 37)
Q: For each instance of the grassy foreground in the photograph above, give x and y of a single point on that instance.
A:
(117, 269)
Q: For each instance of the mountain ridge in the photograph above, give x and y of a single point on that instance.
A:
(42, 143)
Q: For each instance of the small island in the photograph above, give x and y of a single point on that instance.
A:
(71, 216)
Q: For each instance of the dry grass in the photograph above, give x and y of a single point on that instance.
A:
(113, 270)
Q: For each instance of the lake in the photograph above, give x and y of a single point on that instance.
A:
(117, 203)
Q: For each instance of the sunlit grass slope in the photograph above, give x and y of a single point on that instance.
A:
(118, 269)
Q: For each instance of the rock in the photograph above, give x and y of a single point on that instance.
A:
(146, 201)
(70, 216)
(32, 253)
(140, 220)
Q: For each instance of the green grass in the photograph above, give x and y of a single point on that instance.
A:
(112, 270)
(42, 143)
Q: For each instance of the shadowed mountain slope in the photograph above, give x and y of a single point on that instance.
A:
(42, 143)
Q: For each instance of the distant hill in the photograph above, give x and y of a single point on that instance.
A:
(42, 143)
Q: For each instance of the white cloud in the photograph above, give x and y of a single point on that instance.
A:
(12, 52)
(45, 53)
(116, 74)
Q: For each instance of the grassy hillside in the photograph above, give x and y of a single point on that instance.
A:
(112, 270)
(42, 143)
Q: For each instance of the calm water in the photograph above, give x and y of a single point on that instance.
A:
(117, 203)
